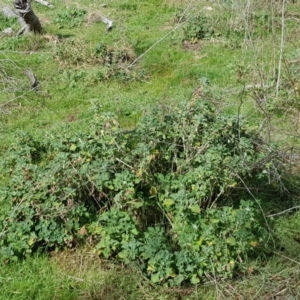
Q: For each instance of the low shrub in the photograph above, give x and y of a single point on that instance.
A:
(163, 195)
(197, 26)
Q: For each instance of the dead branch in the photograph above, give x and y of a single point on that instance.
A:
(33, 80)
(97, 16)
(283, 212)
(43, 2)
(108, 22)
(23, 29)
(8, 12)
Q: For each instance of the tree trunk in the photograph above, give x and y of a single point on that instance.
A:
(24, 10)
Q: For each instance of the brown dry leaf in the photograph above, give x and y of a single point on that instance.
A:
(82, 231)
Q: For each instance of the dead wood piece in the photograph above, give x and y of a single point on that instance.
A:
(33, 80)
(108, 22)
(24, 29)
(8, 12)
(43, 2)
(96, 16)
(24, 10)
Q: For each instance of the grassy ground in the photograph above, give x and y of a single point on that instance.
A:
(151, 60)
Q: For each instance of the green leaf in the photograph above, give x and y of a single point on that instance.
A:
(73, 147)
(150, 267)
(231, 241)
(136, 204)
(30, 242)
(168, 202)
(155, 277)
(195, 279)
(215, 221)
(134, 231)
(179, 279)
(195, 209)
(122, 254)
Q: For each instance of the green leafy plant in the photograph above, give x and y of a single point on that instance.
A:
(118, 234)
(70, 18)
(157, 195)
(196, 27)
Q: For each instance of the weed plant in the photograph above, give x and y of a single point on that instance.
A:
(157, 194)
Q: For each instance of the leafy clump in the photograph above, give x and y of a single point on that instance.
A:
(111, 62)
(163, 195)
(71, 18)
(197, 27)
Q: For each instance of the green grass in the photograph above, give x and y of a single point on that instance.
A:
(35, 278)
(81, 275)
(167, 73)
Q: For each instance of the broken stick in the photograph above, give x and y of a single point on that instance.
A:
(33, 80)
(43, 2)
(108, 22)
